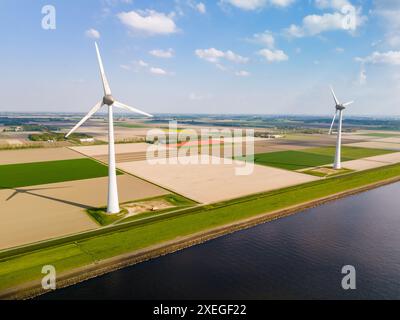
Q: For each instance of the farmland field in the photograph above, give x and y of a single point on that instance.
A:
(37, 173)
(380, 135)
(352, 153)
(293, 160)
(296, 160)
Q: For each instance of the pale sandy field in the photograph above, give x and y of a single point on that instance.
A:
(362, 164)
(372, 162)
(352, 136)
(121, 133)
(14, 142)
(240, 139)
(54, 210)
(93, 151)
(387, 158)
(37, 155)
(390, 140)
(207, 183)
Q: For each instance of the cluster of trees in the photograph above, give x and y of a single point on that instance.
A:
(56, 136)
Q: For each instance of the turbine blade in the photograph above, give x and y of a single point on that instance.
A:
(124, 106)
(106, 86)
(347, 103)
(334, 97)
(333, 122)
(84, 119)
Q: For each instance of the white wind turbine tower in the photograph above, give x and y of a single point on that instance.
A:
(339, 107)
(108, 100)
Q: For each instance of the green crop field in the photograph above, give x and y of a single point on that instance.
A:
(380, 135)
(352, 153)
(37, 173)
(313, 157)
(130, 125)
(293, 160)
(74, 252)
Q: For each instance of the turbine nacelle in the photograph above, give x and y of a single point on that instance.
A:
(108, 100)
(339, 107)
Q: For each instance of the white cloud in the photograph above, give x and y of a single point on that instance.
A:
(211, 55)
(247, 4)
(270, 53)
(231, 56)
(389, 11)
(92, 33)
(182, 5)
(149, 22)
(158, 71)
(362, 77)
(331, 4)
(257, 4)
(201, 7)
(346, 18)
(114, 3)
(273, 55)
(390, 58)
(159, 53)
(140, 65)
(339, 50)
(294, 31)
(242, 73)
(125, 67)
(266, 39)
(250, 5)
(282, 3)
(214, 55)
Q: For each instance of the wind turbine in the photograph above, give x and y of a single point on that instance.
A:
(109, 101)
(339, 107)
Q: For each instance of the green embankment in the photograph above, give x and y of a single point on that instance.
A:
(315, 172)
(21, 268)
(102, 218)
(313, 157)
(38, 173)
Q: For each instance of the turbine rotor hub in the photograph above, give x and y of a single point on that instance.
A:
(340, 107)
(108, 100)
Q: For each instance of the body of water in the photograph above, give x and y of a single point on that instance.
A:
(297, 257)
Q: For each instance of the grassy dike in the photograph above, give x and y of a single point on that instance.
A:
(73, 253)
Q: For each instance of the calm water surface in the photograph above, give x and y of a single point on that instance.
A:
(298, 257)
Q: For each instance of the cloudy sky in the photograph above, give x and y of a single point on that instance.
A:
(190, 56)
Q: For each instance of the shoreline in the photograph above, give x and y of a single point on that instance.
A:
(33, 289)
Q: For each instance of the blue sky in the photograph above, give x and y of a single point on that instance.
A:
(190, 56)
